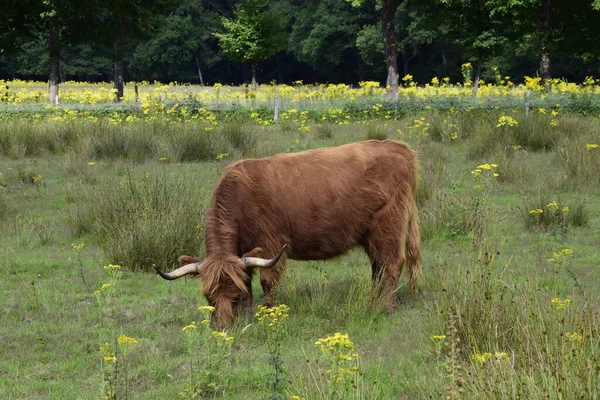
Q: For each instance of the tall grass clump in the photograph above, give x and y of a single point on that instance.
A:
(551, 215)
(239, 136)
(376, 131)
(132, 141)
(487, 136)
(189, 142)
(517, 341)
(142, 221)
(580, 160)
(23, 138)
(434, 173)
(536, 132)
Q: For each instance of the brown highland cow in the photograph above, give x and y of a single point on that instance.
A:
(312, 205)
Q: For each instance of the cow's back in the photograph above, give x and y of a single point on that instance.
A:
(321, 201)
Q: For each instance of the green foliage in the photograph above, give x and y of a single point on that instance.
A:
(485, 304)
(255, 34)
(239, 137)
(376, 132)
(369, 44)
(144, 220)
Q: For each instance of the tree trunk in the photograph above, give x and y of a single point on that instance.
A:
(444, 60)
(543, 30)
(119, 54)
(388, 30)
(477, 76)
(253, 76)
(54, 47)
(199, 70)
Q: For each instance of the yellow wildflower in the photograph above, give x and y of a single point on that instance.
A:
(559, 304)
(126, 341)
(505, 120)
(591, 146)
(560, 255)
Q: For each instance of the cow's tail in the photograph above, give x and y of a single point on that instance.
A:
(413, 249)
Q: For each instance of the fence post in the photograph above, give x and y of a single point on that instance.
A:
(137, 97)
(527, 101)
(56, 100)
(275, 107)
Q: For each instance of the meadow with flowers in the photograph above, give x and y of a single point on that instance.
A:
(92, 194)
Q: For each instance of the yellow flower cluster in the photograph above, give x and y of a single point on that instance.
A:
(126, 341)
(339, 346)
(272, 317)
(151, 93)
(106, 352)
(112, 267)
(574, 336)
(506, 120)
(560, 255)
(484, 167)
(482, 358)
(222, 336)
(536, 211)
(591, 146)
(438, 337)
(78, 246)
(559, 304)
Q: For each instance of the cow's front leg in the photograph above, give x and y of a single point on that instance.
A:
(268, 279)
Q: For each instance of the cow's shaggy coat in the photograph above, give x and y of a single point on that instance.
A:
(321, 203)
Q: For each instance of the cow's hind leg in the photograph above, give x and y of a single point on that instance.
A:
(386, 251)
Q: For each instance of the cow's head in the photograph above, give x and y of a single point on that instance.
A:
(224, 280)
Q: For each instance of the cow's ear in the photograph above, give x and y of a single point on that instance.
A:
(255, 252)
(184, 260)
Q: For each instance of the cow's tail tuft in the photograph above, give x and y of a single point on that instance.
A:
(413, 249)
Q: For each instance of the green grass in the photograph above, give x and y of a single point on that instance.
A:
(487, 284)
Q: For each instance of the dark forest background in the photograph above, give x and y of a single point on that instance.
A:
(329, 41)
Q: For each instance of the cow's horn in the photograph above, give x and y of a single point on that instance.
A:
(188, 269)
(263, 262)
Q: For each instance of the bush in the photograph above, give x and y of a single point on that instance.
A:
(580, 160)
(241, 137)
(553, 215)
(376, 131)
(144, 221)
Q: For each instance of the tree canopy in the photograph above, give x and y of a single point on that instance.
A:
(287, 40)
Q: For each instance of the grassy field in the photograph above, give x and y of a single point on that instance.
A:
(507, 305)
